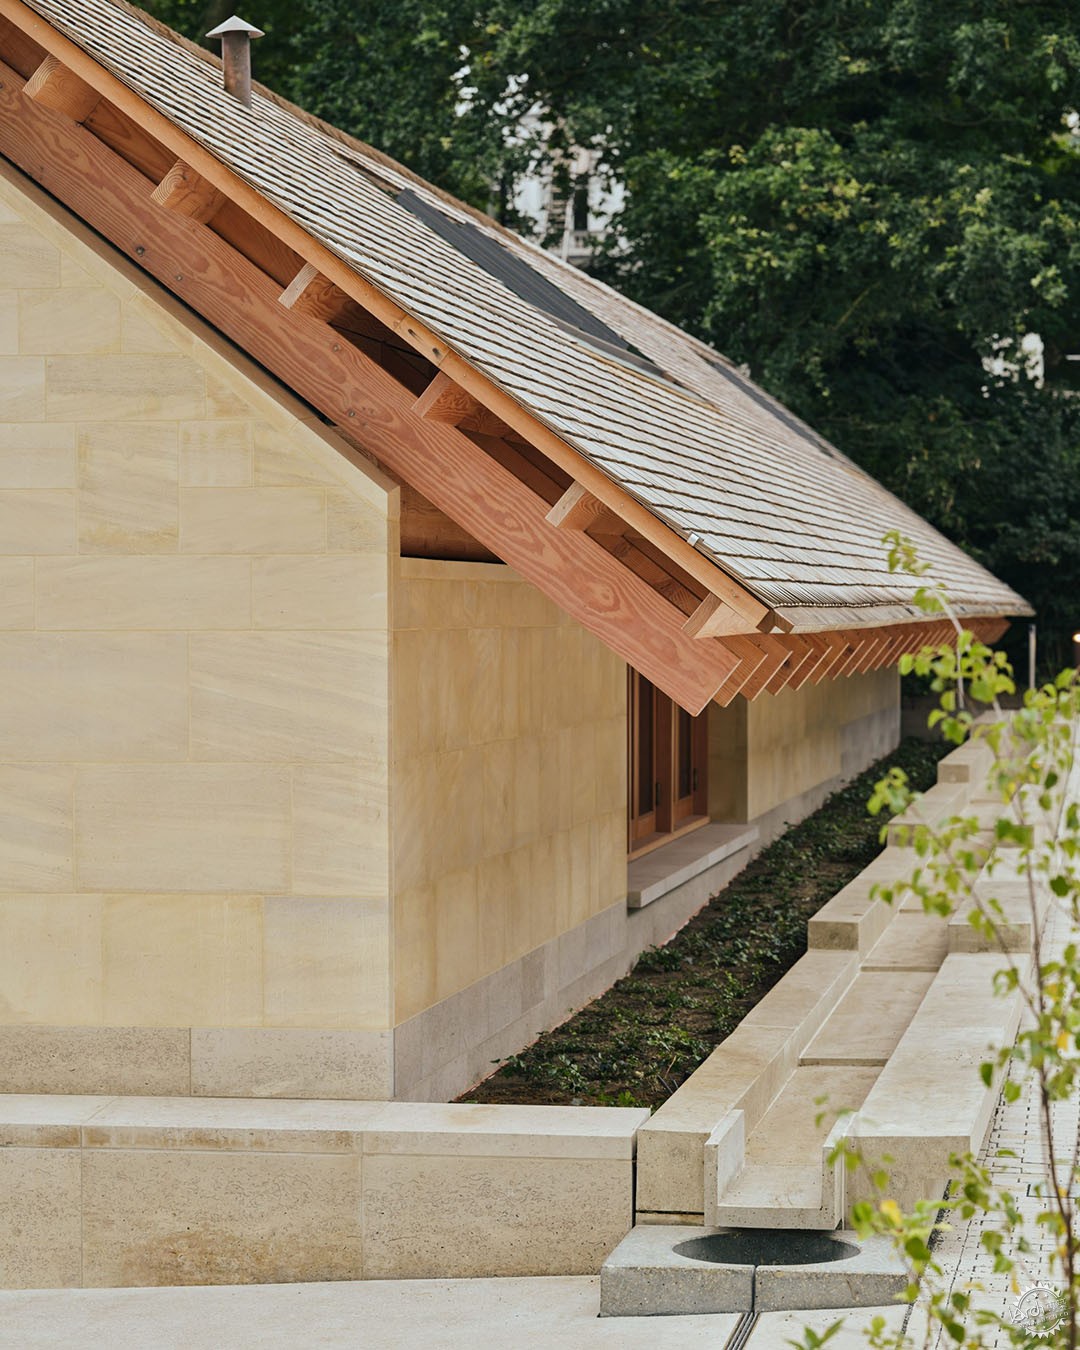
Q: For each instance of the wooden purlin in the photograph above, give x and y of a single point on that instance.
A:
(54, 86)
(373, 410)
(578, 509)
(860, 640)
(312, 294)
(800, 671)
(714, 618)
(798, 651)
(877, 652)
(819, 652)
(989, 630)
(496, 400)
(182, 190)
(445, 401)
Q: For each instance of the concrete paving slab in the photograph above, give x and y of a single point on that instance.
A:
(774, 1330)
(513, 1314)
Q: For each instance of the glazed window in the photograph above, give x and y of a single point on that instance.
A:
(667, 761)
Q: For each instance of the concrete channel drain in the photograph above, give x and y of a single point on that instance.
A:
(660, 1270)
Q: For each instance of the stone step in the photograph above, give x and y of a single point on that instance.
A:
(1024, 909)
(929, 1100)
(915, 941)
(867, 1023)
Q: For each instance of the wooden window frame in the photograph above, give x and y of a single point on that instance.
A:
(670, 815)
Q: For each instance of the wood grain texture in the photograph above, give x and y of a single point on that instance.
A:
(775, 654)
(860, 642)
(151, 133)
(875, 647)
(371, 408)
(837, 645)
(713, 618)
(20, 51)
(312, 294)
(53, 86)
(444, 401)
(578, 509)
(798, 650)
(751, 658)
(818, 654)
(182, 190)
(775, 506)
(427, 532)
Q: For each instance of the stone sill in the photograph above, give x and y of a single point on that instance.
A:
(657, 873)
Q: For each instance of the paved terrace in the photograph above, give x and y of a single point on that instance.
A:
(537, 1314)
(556, 1313)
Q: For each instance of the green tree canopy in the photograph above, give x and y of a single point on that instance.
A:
(856, 198)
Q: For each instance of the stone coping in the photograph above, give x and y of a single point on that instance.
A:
(654, 875)
(431, 1129)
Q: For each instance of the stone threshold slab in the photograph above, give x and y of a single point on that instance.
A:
(653, 876)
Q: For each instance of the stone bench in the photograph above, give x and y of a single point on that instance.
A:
(99, 1191)
(929, 1100)
(1020, 906)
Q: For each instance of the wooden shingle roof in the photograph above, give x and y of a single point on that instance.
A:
(728, 494)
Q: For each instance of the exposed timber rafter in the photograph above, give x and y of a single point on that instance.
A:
(776, 654)
(798, 650)
(837, 645)
(752, 657)
(373, 410)
(818, 652)
(753, 614)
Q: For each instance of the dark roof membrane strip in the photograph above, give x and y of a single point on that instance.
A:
(525, 282)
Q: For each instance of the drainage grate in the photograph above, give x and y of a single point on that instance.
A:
(741, 1334)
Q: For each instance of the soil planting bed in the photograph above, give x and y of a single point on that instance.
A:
(635, 1044)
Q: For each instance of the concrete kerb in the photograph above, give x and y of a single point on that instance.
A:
(660, 1270)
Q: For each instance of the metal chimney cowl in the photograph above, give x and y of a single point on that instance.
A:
(236, 35)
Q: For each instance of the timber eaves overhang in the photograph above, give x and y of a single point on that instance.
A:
(505, 467)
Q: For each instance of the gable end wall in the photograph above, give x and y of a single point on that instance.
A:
(194, 781)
